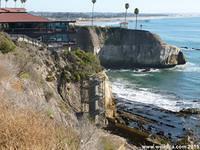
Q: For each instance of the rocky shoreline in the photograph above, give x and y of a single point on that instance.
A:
(158, 123)
(119, 48)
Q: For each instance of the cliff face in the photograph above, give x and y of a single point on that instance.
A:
(124, 48)
(45, 85)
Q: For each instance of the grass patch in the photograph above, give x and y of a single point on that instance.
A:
(6, 45)
(50, 113)
(50, 78)
(26, 129)
(24, 75)
(107, 144)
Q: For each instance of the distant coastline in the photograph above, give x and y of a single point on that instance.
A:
(85, 18)
(86, 21)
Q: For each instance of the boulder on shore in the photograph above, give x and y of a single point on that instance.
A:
(120, 48)
(190, 111)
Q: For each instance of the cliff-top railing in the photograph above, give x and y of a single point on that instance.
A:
(26, 39)
(37, 43)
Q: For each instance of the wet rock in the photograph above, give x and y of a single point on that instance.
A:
(185, 47)
(196, 49)
(181, 58)
(171, 126)
(169, 135)
(149, 128)
(190, 111)
(161, 133)
(195, 101)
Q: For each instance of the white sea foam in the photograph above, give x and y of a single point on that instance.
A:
(188, 67)
(155, 70)
(146, 96)
(146, 71)
(140, 74)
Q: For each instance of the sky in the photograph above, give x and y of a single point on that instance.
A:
(145, 6)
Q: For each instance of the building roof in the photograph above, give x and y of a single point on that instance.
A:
(14, 15)
(12, 10)
(20, 17)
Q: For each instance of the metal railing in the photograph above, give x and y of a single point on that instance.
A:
(26, 39)
(37, 43)
(39, 30)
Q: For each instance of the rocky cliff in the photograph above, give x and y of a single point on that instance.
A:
(41, 96)
(125, 48)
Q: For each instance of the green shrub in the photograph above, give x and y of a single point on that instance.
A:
(50, 78)
(6, 45)
(50, 113)
(107, 144)
(24, 75)
(80, 65)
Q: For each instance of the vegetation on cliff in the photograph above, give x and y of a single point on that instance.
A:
(6, 45)
(27, 129)
(80, 66)
(38, 105)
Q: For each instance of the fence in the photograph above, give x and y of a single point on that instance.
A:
(26, 39)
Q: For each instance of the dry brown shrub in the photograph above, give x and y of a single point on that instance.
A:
(25, 129)
(3, 72)
(17, 85)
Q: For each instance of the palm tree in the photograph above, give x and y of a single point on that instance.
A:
(136, 14)
(15, 3)
(93, 2)
(6, 1)
(127, 7)
(23, 3)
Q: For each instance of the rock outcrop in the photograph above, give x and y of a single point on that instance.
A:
(124, 48)
(190, 111)
(50, 83)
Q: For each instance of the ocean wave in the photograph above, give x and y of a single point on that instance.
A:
(146, 70)
(140, 74)
(147, 96)
(142, 71)
(188, 67)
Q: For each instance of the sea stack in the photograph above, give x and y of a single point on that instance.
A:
(120, 48)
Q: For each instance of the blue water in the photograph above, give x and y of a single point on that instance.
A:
(177, 31)
(172, 89)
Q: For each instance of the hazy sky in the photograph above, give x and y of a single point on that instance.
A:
(145, 6)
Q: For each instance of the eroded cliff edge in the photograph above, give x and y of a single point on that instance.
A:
(120, 48)
(41, 99)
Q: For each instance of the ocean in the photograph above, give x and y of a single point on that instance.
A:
(160, 94)
(172, 89)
